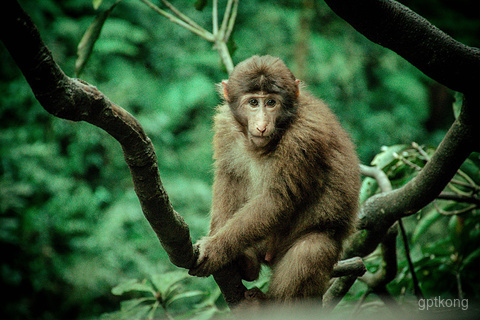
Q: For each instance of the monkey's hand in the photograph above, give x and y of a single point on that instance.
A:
(211, 258)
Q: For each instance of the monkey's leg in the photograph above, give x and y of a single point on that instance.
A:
(249, 265)
(305, 269)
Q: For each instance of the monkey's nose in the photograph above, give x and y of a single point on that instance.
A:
(262, 129)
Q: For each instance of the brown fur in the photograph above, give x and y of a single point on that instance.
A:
(291, 202)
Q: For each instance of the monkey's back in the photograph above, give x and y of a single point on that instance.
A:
(331, 168)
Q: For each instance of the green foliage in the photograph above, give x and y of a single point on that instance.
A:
(443, 237)
(160, 297)
(85, 47)
(71, 227)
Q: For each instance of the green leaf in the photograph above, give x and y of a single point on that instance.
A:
(211, 299)
(368, 189)
(471, 167)
(441, 248)
(457, 104)
(134, 303)
(133, 285)
(425, 223)
(205, 314)
(137, 313)
(471, 258)
(85, 47)
(455, 226)
(385, 158)
(184, 295)
(166, 282)
(96, 4)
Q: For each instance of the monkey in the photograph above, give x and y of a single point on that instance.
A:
(286, 183)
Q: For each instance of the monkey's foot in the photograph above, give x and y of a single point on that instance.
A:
(254, 299)
(255, 294)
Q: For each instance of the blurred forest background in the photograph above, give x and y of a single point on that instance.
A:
(71, 227)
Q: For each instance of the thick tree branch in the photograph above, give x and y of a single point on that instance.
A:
(75, 100)
(381, 211)
(398, 28)
(444, 59)
(388, 267)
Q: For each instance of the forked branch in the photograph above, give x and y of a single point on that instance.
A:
(219, 36)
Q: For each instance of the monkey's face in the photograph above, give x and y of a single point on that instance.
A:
(262, 94)
(258, 113)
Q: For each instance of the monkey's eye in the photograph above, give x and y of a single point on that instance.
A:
(271, 103)
(253, 102)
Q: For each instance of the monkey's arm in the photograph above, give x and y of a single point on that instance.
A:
(250, 224)
(229, 195)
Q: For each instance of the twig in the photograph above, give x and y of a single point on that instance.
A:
(421, 151)
(222, 49)
(469, 180)
(199, 32)
(459, 198)
(474, 188)
(231, 21)
(459, 285)
(454, 212)
(416, 287)
(215, 17)
(218, 37)
(226, 18)
(407, 162)
(183, 16)
(381, 177)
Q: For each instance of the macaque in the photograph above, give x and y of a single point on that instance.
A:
(286, 183)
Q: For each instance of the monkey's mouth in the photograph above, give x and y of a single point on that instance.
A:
(260, 141)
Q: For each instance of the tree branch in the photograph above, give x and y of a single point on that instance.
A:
(184, 21)
(394, 26)
(381, 177)
(416, 286)
(473, 199)
(349, 267)
(183, 16)
(76, 100)
(381, 211)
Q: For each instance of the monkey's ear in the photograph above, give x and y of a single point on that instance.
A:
(225, 92)
(297, 84)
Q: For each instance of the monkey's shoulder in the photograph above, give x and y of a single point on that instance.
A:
(315, 126)
(227, 130)
(316, 137)
(228, 141)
